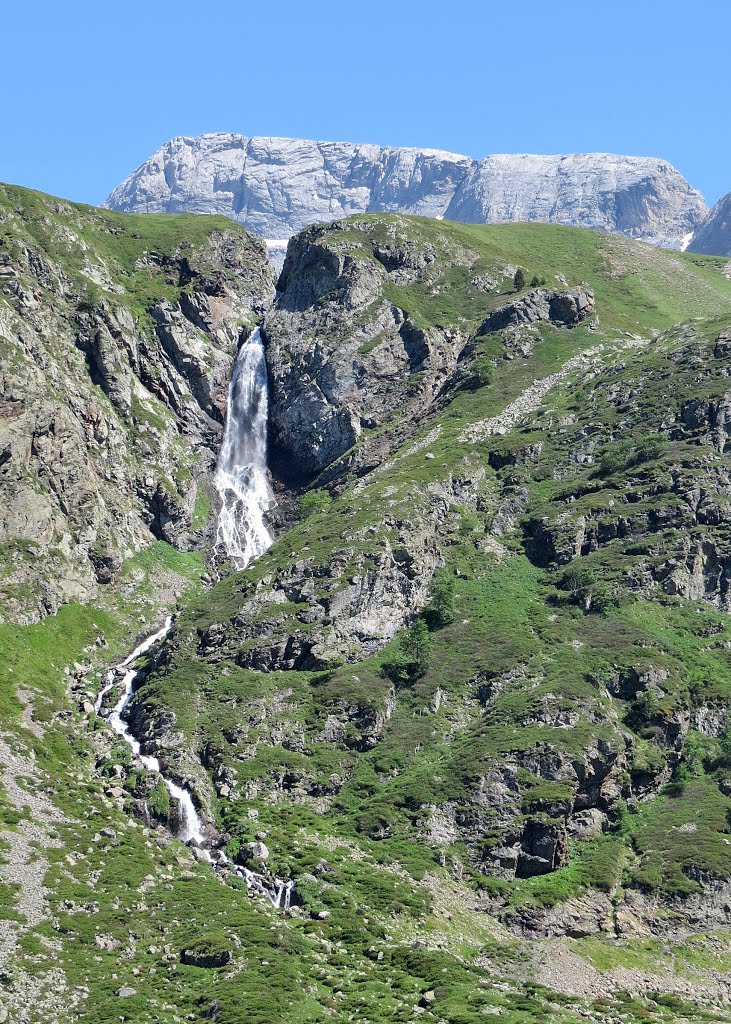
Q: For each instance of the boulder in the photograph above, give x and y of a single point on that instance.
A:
(541, 305)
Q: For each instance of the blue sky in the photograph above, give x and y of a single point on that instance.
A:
(91, 89)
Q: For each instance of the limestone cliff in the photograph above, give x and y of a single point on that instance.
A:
(278, 186)
(713, 235)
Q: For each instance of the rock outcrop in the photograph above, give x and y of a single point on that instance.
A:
(565, 309)
(277, 186)
(342, 356)
(713, 235)
(117, 346)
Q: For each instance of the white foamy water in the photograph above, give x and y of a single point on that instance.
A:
(241, 476)
(190, 828)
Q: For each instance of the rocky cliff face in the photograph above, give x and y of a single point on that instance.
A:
(276, 187)
(713, 235)
(473, 698)
(420, 395)
(342, 355)
(118, 337)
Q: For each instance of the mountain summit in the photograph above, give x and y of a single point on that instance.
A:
(713, 238)
(277, 187)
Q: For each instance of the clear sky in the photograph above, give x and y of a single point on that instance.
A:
(91, 89)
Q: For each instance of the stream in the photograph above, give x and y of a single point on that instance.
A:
(241, 534)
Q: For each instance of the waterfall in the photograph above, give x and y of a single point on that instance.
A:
(243, 487)
(191, 828)
(241, 474)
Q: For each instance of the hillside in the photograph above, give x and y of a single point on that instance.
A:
(472, 701)
(118, 336)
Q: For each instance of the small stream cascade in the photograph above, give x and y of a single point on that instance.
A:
(241, 475)
(191, 829)
(241, 535)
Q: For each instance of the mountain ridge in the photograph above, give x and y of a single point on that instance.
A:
(713, 236)
(277, 186)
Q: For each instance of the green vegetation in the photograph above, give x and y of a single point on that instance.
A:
(119, 240)
(440, 609)
(550, 668)
(312, 502)
(416, 649)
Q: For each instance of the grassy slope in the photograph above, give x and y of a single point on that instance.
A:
(293, 969)
(118, 240)
(506, 615)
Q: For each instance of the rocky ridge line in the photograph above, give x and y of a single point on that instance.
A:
(278, 186)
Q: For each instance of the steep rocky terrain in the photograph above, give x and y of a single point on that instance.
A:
(473, 700)
(279, 186)
(713, 235)
(118, 336)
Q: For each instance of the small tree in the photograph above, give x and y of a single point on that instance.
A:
(519, 280)
(416, 648)
(646, 707)
(681, 777)
(694, 754)
(725, 745)
(578, 581)
(482, 371)
(622, 817)
(440, 610)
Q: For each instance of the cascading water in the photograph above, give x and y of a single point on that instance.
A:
(190, 828)
(243, 486)
(241, 475)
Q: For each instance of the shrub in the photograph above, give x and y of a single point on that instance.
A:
(483, 372)
(649, 448)
(312, 502)
(645, 707)
(376, 822)
(615, 458)
(694, 754)
(578, 581)
(519, 280)
(621, 818)
(440, 610)
(601, 598)
(416, 648)
(625, 454)
(725, 746)
(681, 778)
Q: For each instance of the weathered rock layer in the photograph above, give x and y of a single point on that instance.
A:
(279, 186)
(118, 338)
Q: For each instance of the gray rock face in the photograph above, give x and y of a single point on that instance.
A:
(713, 236)
(341, 355)
(541, 305)
(641, 197)
(106, 394)
(279, 186)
